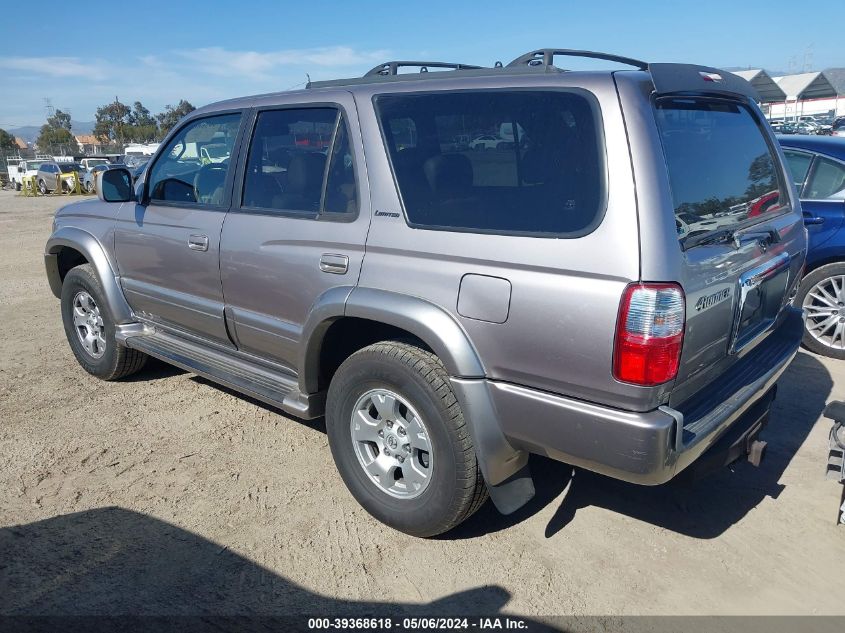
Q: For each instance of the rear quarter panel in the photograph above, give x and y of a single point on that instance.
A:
(559, 331)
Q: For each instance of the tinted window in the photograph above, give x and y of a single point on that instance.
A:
(496, 161)
(287, 159)
(341, 191)
(721, 170)
(827, 181)
(799, 164)
(186, 171)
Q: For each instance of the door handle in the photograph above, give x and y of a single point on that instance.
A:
(335, 264)
(198, 242)
(810, 220)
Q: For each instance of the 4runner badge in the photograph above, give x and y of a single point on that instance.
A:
(710, 300)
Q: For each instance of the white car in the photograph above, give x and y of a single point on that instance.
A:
(486, 141)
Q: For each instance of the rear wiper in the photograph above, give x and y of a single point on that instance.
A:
(716, 237)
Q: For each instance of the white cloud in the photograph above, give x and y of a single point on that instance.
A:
(200, 75)
(57, 66)
(222, 62)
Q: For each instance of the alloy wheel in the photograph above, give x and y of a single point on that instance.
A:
(824, 307)
(88, 324)
(391, 443)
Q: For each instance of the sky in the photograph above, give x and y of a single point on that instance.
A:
(161, 52)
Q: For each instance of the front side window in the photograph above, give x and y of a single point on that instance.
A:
(287, 165)
(187, 172)
(827, 181)
(496, 161)
(722, 172)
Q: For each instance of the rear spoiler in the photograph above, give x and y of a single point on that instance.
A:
(680, 79)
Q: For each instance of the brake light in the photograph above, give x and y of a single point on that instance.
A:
(649, 334)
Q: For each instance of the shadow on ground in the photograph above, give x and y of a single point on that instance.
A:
(112, 561)
(701, 509)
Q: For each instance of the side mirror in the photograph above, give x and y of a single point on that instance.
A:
(114, 185)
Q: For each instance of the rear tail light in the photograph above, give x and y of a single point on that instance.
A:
(649, 334)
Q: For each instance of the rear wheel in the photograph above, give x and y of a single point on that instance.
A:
(822, 297)
(42, 187)
(400, 441)
(90, 328)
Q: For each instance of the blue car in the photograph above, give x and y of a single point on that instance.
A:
(817, 164)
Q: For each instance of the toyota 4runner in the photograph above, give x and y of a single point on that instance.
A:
(600, 289)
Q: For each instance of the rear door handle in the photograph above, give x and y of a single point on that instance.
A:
(335, 264)
(198, 242)
(810, 219)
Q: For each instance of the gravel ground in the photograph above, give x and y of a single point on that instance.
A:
(166, 494)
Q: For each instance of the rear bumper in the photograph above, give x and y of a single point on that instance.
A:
(647, 447)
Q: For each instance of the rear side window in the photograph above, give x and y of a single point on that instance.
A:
(509, 162)
(827, 181)
(799, 165)
(722, 172)
(300, 161)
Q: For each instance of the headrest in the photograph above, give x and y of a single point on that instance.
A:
(208, 179)
(305, 172)
(449, 175)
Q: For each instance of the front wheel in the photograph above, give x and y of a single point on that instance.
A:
(400, 441)
(42, 187)
(822, 297)
(90, 328)
(89, 187)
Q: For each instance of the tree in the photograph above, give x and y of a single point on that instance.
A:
(56, 133)
(172, 115)
(112, 122)
(7, 141)
(142, 126)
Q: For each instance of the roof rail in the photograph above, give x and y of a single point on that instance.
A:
(546, 57)
(392, 68)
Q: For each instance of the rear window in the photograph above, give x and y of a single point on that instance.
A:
(509, 162)
(722, 172)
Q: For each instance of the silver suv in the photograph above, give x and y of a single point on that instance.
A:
(603, 289)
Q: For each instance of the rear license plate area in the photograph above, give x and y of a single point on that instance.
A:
(761, 294)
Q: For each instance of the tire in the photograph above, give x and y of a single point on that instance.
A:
(42, 187)
(113, 361)
(454, 488)
(89, 187)
(17, 186)
(820, 306)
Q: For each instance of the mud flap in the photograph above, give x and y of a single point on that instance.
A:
(514, 492)
(504, 467)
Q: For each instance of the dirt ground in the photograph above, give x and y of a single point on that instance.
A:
(166, 494)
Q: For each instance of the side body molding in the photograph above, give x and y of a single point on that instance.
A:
(94, 252)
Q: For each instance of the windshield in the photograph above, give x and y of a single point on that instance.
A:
(69, 167)
(93, 162)
(34, 164)
(217, 151)
(722, 172)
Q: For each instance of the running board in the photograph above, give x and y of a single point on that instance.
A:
(259, 382)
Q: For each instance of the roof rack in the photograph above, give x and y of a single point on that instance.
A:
(546, 57)
(392, 68)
